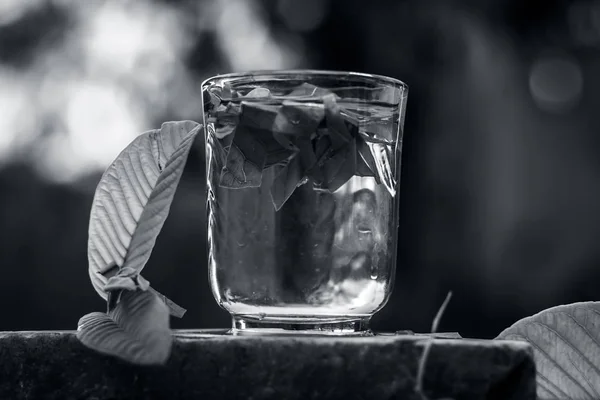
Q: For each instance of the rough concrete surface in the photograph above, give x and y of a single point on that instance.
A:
(213, 365)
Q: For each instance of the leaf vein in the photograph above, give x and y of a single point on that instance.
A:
(544, 354)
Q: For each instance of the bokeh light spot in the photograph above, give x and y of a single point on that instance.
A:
(244, 38)
(556, 83)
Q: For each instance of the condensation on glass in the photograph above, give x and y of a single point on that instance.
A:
(303, 175)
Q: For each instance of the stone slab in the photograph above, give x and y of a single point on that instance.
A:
(213, 365)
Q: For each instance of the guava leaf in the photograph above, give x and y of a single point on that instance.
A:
(296, 118)
(245, 162)
(258, 93)
(308, 90)
(286, 181)
(333, 165)
(226, 115)
(323, 152)
(259, 116)
(137, 330)
(365, 162)
(566, 343)
(247, 157)
(278, 156)
(316, 141)
(322, 146)
(338, 131)
(306, 153)
(209, 100)
(378, 130)
(346, 170)
(285, 141)
(290, 118)
(226, 93)
(132, 201)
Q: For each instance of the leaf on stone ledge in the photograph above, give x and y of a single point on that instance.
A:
(132, 202)
(136, 331)
(566, 343)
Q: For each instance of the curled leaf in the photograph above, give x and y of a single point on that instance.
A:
(566, 345)
(137, 330)
(130, 206)
(120, 283)
(132, 202)
(126, 279)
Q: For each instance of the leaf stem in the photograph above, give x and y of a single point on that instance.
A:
(426, 350)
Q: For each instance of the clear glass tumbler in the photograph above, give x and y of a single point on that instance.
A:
(302, 174)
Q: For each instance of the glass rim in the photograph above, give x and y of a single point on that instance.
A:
(308, 72)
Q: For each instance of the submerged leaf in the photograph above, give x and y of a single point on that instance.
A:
(285, 141)
(241, 172)
(308, 90)
(304, 140)
(133, 199)
(346, 170)
(137, 330)
(259, 92)
(247, 157)
(338, 131)
(291, 118)
(258, 116)
(366, 165)
(285, 182)
(566, 343)
(296, 118)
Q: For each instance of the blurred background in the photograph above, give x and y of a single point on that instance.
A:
(500, 196)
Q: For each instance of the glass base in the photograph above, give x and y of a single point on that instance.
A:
(244, 325)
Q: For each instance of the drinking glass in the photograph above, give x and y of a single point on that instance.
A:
(303, 175)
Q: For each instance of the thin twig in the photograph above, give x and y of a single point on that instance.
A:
(425, 355)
